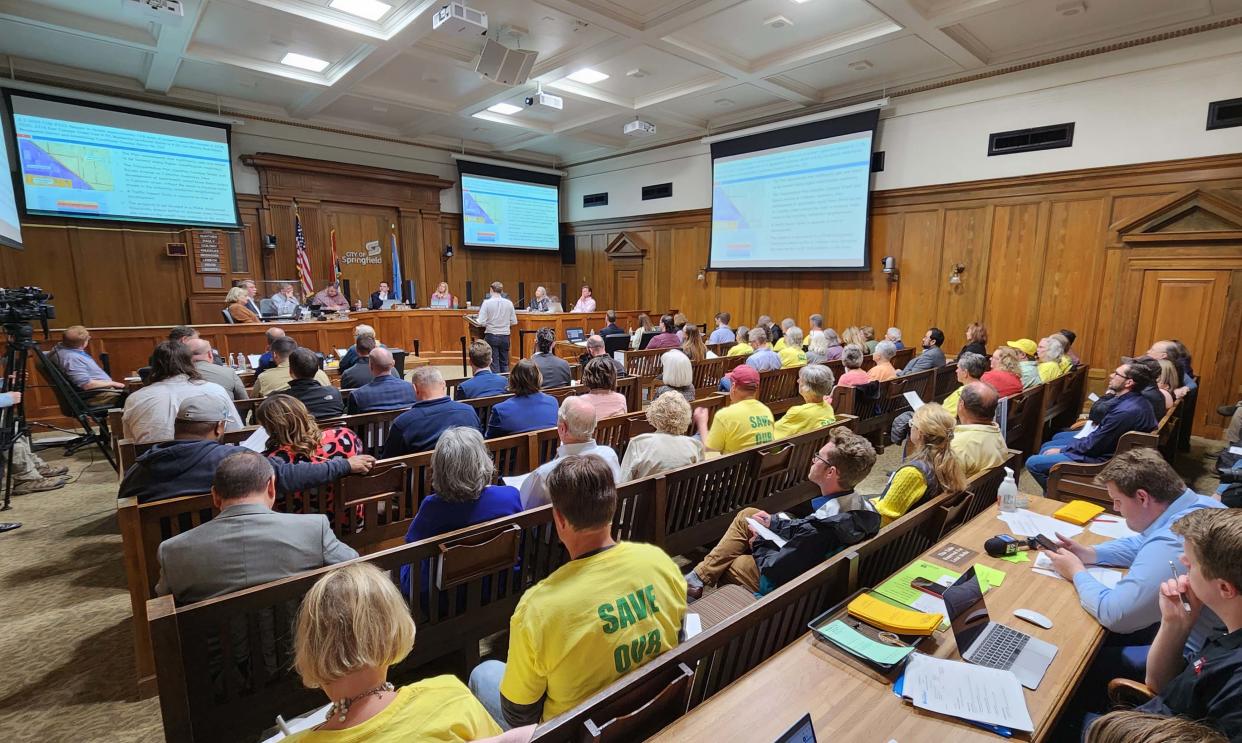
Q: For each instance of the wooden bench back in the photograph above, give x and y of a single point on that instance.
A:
(946, 381)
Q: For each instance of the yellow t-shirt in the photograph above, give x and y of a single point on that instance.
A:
(806, 417)
(435, 709)
(779, 344)
(741, 349)
(740, 425)
(791, 356)
(950, 402)
(591, 622)
(1049, 370)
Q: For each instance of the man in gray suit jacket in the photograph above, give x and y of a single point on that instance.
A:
(247, 543)
(931, 357)
(216, 374)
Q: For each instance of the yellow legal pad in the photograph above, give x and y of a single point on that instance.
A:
(1078, 512)
(891, 618)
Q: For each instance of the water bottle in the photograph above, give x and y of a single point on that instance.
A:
(1007, 493)
(233, 361)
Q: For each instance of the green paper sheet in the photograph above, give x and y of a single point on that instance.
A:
(898, 587)
(988, 577)
(859, 644)
(1018, 557)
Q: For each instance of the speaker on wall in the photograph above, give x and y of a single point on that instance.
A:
(469, 293)
(521, 294)
(407, 292)
(569, 250)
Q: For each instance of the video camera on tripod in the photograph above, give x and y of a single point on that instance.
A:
(19, 306)
(24, 304)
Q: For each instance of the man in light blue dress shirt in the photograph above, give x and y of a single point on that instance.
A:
(285, 300)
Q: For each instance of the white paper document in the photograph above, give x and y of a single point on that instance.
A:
(913, 398)
(340, 352)
(964, 690)
(1236, 450)
(1026, 523)
(515, 481)
(298, 724)
(257, 441)
(1107, 576)
(1093, 397)
(693, 625)
(766, 533)
(1085, 431)
(254, 359)
(1112, 529)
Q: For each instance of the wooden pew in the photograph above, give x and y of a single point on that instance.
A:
(946, 381)
(1024, 422)
(778, 389)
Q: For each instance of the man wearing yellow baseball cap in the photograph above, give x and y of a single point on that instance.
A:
(1029, 366)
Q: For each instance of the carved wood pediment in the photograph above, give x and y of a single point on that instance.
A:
(626, 245)
(1194, 215)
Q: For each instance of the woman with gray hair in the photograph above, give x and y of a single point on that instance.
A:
(668, 447)
(883, 356)
(462, 477)
(835, 349)
(1049, 353)
(816, 347)
(678, 375)
(852, 360)
(815, 383)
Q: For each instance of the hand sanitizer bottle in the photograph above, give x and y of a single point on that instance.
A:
(1007, 493)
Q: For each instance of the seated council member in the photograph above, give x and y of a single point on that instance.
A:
(541, 301)
(815, 385)
(841, 518)
(236, 302)
(586, 302)
(330, 299)
(666, 448)
(285, 301)
(442, 298)
(744, 422)
(576, 631)
(483, 382)
(931, 470)
(528, 409)
(349, 661)
(379, 296)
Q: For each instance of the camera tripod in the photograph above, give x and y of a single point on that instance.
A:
(13, 423)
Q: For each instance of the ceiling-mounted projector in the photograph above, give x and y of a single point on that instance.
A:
(547, 100)
(504, 65)
(459, 18)
(639, 128)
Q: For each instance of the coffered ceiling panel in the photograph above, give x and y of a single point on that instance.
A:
(892, 63)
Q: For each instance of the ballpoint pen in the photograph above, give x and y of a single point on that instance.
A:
(1180, 592)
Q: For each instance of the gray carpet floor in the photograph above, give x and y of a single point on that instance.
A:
(65, 639)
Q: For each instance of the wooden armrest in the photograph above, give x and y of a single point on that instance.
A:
(1128, 693)
(1078, 424)
(1077, 468)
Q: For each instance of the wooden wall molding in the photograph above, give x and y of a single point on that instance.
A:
(1194, 216)
(626, 245)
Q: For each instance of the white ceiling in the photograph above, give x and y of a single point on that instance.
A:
(689, 66)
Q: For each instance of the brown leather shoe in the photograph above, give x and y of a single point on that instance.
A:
(693, 593)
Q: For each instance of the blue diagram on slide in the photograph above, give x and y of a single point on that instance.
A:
(470, 207)
(37, 162)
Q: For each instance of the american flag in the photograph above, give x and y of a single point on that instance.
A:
(304, 271)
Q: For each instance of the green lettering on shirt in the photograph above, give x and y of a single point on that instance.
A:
(650, 593)
(638, 602)
(610, 622)
(625, 613)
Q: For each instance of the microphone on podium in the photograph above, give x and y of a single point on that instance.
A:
(1003, 545)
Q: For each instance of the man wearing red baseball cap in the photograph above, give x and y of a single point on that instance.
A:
(745, 422)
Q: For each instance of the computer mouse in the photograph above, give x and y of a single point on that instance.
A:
(1033, 617)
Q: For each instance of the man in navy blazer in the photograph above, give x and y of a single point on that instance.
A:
(419, 428)
(484, 383)
(384, 391)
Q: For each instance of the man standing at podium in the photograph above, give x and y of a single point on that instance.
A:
(497, 316)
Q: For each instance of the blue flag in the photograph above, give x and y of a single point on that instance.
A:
(396, 269)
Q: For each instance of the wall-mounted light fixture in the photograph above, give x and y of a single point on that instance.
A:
(448, 252)
(702, 275)
(889, 266)
(955, 278)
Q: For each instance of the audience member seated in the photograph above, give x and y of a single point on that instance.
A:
(1050, 352)
(1130, 412)
(815, 383)
(741, 346)
(554, 370)
(668, 335)
(385, 391)
(1005, 376)
(379, 297)
(644, 326)
(185, 334)
(853, 336)
(792, 354)
(442, 298)
(186, 465)
(265, 359)
(278, 377)
(596, 349)
(679, 323)
(330, 299)
(668, 447)
(894, 335)
(976, 340)
(30, 474)
(463, 493)
(586, 302)
(762, 358)
(352, 356)
(612, 328)
(1028, 365)
(852, 360)
(359, 373)
(293, 437)
(323, 401)
(1070, 336)
(883, 357)
(977, 441)
(779, 343)
(352, 625)
(600, 377)
(1206, 685)
(816, 347)
(723, 333)
(676, 375)
(575, 426)
(841, 519)
(150, 412)
(932, 356)
(1172, 350)
(815, 323)
(1127, 726)
(744, 422)
(969, 368)
(237, 300)
(218, 374)
(561, 654)
(285, 301)
(1152, 392)
(483, 382)
(931, 470)
(693, 346)
(1167, 381)
(1152, 498)
(528, 409)
(247, 543)
(772, 329)
(419, 428)
(869, 333)
(92, 382)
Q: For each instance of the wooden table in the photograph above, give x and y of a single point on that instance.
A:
(848, 704)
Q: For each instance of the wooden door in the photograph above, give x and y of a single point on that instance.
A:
(625, 288)
(363, 245)
(1190, 305)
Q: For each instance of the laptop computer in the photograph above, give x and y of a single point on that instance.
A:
(986, 643)
(573, 335)
(803, 731)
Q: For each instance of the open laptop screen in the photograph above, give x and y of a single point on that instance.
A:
(803, 731)
(963, 601)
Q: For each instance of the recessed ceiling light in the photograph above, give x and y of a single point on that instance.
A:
(724, 103)
(588, 76)
(505, 108)
(1072, 8)
(372, 10)
(860, 65)
(314, 64)
(801, 1)
(778, 21)
(637, 72)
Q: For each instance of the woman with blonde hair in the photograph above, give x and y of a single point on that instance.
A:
(976, 340)
(352, 626)
(933, 469)
(693, 346)
(1128, 725)
(644, 326)
(668, 447)
(293, 436)
(868, 333)
(853, 336)
(1005, 376)
(237, 309)
(1167, 381)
